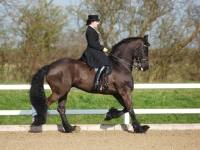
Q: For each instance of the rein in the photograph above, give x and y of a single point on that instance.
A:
(121, 59)
(137, 59)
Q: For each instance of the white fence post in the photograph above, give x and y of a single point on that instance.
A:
(33, 113)
(126, 118)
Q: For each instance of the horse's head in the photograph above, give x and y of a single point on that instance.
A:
(124, 52)
(142, 55)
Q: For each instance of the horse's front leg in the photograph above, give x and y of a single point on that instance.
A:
(61, 109)
(136, 125)
(115, 113)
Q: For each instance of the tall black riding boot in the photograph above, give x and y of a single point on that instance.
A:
(98, 76)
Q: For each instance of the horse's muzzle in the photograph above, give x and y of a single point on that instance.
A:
(143, 66)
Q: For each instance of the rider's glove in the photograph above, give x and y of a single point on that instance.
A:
(105, 50)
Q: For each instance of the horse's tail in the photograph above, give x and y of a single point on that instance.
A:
(37, 96)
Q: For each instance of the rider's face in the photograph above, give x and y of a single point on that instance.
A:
(95, 23)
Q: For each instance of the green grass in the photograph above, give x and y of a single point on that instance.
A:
(165, 98)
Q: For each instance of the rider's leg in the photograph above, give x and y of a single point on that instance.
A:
(98, 75)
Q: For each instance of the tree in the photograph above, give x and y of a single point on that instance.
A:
(38, 26)
(6, 42)
(166, 22)
(175, 35)
(33, 30)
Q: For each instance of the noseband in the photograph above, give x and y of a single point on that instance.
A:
(141, 49)
(137, 59)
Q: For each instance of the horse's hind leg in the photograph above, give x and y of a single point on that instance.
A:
(115, 113)
(62, 109)
(61, 96)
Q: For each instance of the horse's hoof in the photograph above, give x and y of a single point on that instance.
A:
(107, 117)
(145, 128)
(73, 129)
(142, 129)
(35, 123)
(38, 120)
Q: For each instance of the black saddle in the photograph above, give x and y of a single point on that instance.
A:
(108, 68)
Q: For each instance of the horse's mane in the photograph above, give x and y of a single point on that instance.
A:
(126, 40)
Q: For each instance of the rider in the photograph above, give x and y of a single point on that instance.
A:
(94, 53)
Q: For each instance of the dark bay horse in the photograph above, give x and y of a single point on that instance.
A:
(65, 73)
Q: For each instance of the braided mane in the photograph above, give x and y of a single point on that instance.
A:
(127, 40)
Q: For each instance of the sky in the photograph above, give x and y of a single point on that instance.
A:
(62, 2)
(66, 2)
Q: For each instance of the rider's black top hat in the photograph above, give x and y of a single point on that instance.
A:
(93, 18)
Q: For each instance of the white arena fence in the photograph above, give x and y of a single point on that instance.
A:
(103, 111)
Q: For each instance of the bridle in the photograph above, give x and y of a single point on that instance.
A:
(122, 59)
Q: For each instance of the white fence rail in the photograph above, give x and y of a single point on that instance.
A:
(136, 86)
(103, 111)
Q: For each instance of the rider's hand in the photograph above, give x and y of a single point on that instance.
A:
(105, 50)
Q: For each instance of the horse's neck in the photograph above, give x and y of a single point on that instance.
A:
(128, 66)
(125, 62)
(126, 51)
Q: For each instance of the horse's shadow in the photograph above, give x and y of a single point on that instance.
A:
(35, 129)
(119, 127)
(103, 127)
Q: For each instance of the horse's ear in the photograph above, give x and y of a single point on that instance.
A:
(146, 38)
